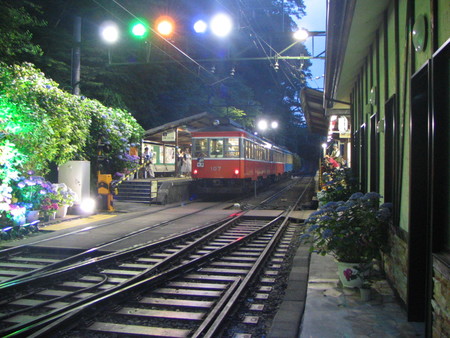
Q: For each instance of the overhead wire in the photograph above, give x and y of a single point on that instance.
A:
(261, 41)
(200, 67)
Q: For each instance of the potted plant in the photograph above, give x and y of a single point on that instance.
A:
(31, 191)
(65, 197)
(48, 207)
(353, 232)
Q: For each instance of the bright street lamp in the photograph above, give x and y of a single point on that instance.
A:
(262, 125)
(165, 26)
(200, 26)
(301, 34)
(109, 31)
(221, 25)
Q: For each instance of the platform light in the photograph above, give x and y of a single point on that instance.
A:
(109, 31)
(262, 125)
(221, 25)
(165, 25)
(301, 34)
(200, 26)
(139, 28)
(88, 205)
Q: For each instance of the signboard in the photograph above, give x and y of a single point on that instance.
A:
(168, 136)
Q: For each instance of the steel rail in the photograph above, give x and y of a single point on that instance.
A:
(52, 324)
(94, 252)
(91, 252)
(137, 279)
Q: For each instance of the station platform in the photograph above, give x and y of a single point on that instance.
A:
(158, 190)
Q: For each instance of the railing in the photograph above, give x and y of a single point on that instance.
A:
(115, 184)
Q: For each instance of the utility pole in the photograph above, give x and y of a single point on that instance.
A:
(76, 56)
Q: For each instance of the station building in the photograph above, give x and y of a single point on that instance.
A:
(387, 69)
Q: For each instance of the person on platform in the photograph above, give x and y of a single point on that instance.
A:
(331, 163)
(186, 167)
(336, 154)
(148, 160)
(179, 162)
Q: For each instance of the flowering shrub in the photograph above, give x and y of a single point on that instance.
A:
(351, 231)
(337, 185)
(63, 195)
(46, 124)
(48, 206)
(42, 124)
(31, 190)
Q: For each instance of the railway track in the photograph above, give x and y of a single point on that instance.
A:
(24, 261)
(45, 301)
(229, 255)
(190, 300)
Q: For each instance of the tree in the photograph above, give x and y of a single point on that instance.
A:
(17, 17)
(172, 85)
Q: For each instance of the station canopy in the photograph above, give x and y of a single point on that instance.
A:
(312, 105)
(179, 132)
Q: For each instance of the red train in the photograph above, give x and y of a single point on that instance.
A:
(226, 159)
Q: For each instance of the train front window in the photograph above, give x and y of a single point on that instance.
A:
(200, 147)
(216, 147)
(232, 147)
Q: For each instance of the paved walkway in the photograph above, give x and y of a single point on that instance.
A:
(335, 312)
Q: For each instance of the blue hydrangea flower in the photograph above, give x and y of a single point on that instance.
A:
(356, 196)
(342, 208)
(371, 195)
(325, 218)
(327, 233)
(331, 205)
(387, 205)
(313, 227)
(350, 203)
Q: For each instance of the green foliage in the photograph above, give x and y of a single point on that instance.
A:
(354, 231)
(16, 19)
(47, 125)
(337, 185)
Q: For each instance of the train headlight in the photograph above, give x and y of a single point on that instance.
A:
(195, 172)
(236, 171)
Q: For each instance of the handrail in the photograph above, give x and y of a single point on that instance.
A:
(116, 183)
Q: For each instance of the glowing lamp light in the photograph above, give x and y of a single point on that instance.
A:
(236, 171)
(301, 35)
(88, 205)
(221, 25)
(195, 172)
(262, 125)
(109, 31)
(165, 26)
(274, 125)
(138, 28)
(200, 26)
